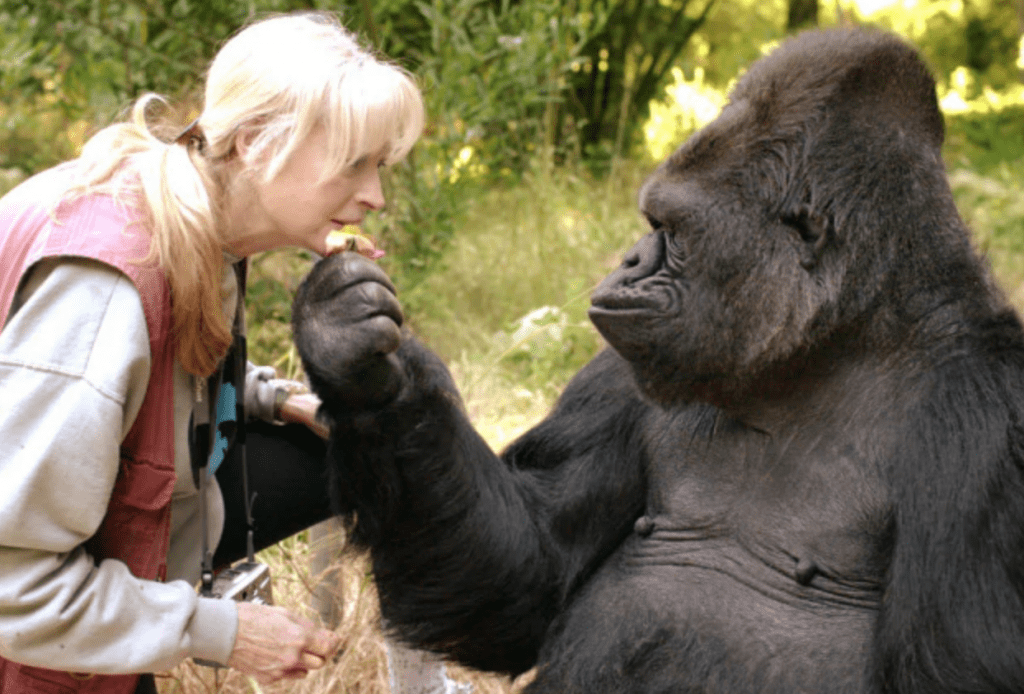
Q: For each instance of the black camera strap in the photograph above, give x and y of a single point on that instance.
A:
(225, 434)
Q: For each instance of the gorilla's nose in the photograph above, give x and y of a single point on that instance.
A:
(643, 260)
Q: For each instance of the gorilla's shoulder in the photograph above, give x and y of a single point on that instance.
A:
(607, 377)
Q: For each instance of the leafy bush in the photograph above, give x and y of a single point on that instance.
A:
(993, 206)
(983, 140)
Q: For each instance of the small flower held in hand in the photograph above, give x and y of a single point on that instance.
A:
(348, 238)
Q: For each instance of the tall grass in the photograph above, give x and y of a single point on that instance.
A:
(508, 310)
(992, 204)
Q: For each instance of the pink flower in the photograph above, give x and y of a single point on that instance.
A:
(339, 241)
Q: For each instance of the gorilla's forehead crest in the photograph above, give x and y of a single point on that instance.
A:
(872, 77)
(871, 82)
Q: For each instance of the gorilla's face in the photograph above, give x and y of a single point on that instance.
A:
(724, 285)
(773, 244)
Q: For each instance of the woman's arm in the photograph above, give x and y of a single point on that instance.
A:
(74, 363)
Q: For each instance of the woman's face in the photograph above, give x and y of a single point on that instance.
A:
(297, 208)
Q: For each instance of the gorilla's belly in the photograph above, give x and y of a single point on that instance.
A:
(669, 616)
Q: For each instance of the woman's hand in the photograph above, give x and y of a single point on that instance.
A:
(302, 408)
(274, 644)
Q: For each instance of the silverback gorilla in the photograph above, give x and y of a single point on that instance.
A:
(799, 467)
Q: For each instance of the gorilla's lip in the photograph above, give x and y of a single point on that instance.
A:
(618, 302)
(596, 313)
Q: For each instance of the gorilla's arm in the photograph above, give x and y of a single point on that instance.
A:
(473, 556)
(952, 618)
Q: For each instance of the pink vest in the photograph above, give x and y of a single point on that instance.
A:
(136, 528)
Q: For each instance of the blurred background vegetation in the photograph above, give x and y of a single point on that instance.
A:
(544, 117)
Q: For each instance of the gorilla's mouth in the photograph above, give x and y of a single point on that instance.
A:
(638, 285)
(641, 299)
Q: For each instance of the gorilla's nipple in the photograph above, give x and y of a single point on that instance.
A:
(806, 570)
(643, 526)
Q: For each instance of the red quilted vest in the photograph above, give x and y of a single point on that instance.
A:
(136, 528)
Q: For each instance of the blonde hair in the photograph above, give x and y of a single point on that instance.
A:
(279, 78)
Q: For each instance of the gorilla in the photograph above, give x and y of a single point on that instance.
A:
(799, 464)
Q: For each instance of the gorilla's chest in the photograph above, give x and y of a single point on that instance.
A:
(800, 519)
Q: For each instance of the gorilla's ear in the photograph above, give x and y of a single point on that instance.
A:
(813, 231)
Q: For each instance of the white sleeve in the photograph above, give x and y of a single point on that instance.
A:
(74, 366)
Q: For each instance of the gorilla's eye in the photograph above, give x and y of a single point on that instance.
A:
(800, 222)
(656, 224)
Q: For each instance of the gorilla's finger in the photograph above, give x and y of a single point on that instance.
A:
(337, 351)
(369, 382)
(357, 303)
(381, 335)
(338, 272)
(369, 299)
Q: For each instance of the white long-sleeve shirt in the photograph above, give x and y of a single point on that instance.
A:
(74, 365)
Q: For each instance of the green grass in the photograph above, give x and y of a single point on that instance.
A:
(508, 311)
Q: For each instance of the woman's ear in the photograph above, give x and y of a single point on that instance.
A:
(244, 139)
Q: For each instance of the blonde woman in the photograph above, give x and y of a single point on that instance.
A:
(117, 296)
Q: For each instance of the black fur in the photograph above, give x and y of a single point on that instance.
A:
(797, 469)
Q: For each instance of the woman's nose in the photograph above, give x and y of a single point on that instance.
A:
(371, 192)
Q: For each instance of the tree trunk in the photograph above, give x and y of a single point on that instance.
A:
(802, 15)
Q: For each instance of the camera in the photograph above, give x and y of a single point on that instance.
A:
(246, 581)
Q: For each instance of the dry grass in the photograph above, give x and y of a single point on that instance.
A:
(361, 667)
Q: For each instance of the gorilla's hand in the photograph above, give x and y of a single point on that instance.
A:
(346, 322)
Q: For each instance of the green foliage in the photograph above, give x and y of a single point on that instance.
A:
(992, 204)
(544, 348)
(984, 140)
(272, 280)
(544, 242)
(495, 73)
(492, 76)
(418, 225)
(102, 53)
(981, 35)
(68, 67)
(623, 63)
(735, 34)
(568, 78)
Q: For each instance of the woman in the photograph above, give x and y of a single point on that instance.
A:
(117, 293)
